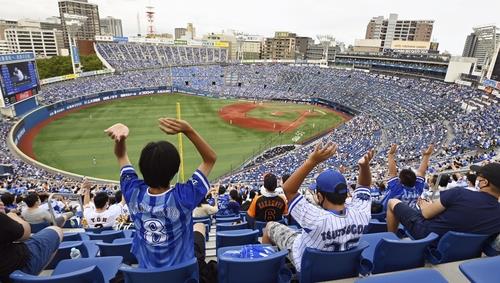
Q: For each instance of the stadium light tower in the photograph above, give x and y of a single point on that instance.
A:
(73, 24)
(150, 14)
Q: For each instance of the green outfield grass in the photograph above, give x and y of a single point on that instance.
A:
(71, 143)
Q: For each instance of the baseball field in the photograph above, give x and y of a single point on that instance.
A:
(237, 130)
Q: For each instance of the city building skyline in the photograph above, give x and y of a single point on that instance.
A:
(344, 20)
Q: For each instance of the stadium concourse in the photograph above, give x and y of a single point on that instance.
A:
(389, 109)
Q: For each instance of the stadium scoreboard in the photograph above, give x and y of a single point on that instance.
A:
(18, 78)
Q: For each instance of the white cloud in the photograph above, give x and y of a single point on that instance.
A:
(346, 20)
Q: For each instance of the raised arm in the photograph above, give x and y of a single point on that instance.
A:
(86, 193)
(391, 162)
(365, 175)
(119, 133)
(424, 164)
(174, 126)
(320, 154)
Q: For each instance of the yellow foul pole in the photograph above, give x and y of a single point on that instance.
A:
(179, 141)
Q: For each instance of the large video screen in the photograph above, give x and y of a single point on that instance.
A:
(19, 81)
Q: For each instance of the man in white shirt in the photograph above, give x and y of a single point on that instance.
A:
(98, 216)
(333, 225)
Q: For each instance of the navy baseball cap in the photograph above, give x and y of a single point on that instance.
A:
(330, 181)
(490, 172)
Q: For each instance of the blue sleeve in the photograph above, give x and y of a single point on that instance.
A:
(193, 191)
(394, 189)
(128, 181)
(420, 185)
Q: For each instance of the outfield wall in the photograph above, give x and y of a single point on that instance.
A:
(21, 129)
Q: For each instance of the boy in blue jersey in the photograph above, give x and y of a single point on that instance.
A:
(408, 186)
(162, 213)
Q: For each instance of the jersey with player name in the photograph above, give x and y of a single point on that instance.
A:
(407, 195)
(329, 231)
(164, 221)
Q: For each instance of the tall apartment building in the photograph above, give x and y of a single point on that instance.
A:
(226, 39)
(111, 26)
(482, 43)
(191, 31)
(179, 33)
(90, 25)
(389, 29)
(286, 46)
(29, 36)
(249, 47)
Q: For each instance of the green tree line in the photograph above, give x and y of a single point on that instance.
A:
(61, 65)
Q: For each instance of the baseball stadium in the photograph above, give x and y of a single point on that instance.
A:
(178, 162)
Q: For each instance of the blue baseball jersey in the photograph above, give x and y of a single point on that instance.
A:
(163, 222)
(406, 194)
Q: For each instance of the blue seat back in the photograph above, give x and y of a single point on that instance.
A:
(424, 275)
(230, 226)
(122, 249)
(90, 274)
(64, 251)
(455, 246)
(392, 255)
(35, 228)
(260, 225)
(107, 265)
(72, 237)
(379, 216)
(482, 269)
(228, 219)
(184, 272)
(244, 270)
(317, 265)
(219, 216)
(106, 236)
(375, 226)
(236, 238)
(98, 230)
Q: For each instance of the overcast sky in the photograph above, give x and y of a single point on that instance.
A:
(345, 20)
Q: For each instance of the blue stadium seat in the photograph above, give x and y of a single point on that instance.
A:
(482, 270)
(90, 274)
(108, 265)
(243, 215)
(228, 219)
(35, 228)
(218, 216)
(260, 225)
(98, 230)
(72, 223)
(205, 221)
(64, 250)
(379, 216)
(230, 226)
(375, 226)
(317, 265)
(249, 270)
(184, 272)
(455, 246)
(408, 276)
(388, 253)
(129, 233)
(122, 248)
(236, 238)
(106, 236)
(92, 248)
(71, 237)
